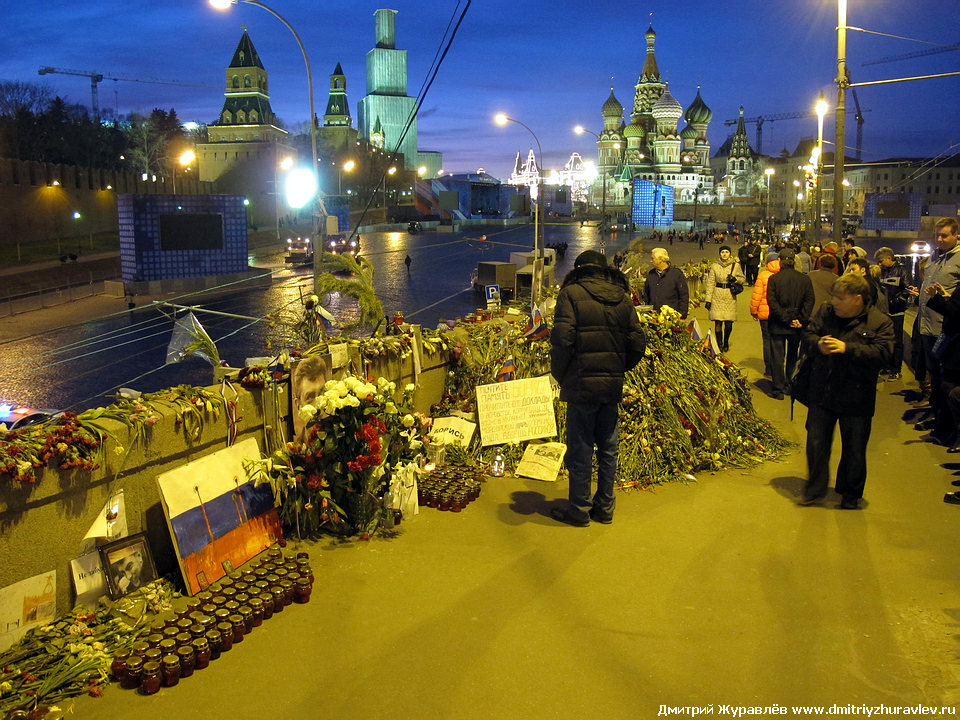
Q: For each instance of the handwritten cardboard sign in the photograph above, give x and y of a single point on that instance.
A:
(516, 410)
(452, 430)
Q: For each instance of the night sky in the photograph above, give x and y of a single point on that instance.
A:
(548, 64)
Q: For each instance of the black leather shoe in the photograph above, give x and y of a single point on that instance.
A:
(604, 519)
(777, 395)
(954, 449)
(952, 498)
(849, 503)
(925, 425)
(565, 516)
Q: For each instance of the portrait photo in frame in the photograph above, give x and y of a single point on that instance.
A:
(127, 564)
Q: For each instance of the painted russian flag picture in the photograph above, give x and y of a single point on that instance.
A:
(216, 515)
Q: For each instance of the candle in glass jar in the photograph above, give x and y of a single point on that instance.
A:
(170, 669)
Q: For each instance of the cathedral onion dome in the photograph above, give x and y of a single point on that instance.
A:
(612, 107)
(689, 133)
(634, 130)
(650, 33)
(667, 107)
(698, 112)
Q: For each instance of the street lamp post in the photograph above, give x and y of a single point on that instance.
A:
(769, 173)
(345, 167)
(840, 123)
(502, 119)
(184, 161)
(225, 4)
(284, 165)
(579, 130)
(696, 201)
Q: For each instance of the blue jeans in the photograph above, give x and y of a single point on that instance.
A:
(590, 425)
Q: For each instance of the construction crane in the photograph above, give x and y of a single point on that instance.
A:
(96, 78)
(859, 118)
(761, 119)
(910, 56)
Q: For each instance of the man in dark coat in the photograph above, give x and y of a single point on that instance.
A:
(847, 343)
(666, 284)
(596, 339)
(750, 260)
(790, 296)
(895, 282)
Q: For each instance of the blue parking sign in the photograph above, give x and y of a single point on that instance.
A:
(492, 291)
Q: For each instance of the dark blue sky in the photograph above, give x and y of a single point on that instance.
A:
(548, 64)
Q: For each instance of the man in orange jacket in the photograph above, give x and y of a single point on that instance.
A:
(760, 308)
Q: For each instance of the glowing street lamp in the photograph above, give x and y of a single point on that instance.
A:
(346, 167)
(502, 120)
(580, 130)
(184, 161)
(821, 109)
(769, 173)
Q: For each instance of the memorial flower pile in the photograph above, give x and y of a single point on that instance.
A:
(683, 410)
(76, 441)
(71, 656)
(25, 452)
(357, 433)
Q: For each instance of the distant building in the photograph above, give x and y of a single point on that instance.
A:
(385, 111)
(651, 147)
(245, 145)
(337, 131)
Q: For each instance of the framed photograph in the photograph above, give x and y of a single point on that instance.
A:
(127, 564)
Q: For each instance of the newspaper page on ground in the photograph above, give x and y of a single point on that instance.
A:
(542, 461)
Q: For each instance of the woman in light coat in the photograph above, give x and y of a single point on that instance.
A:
(722, 303)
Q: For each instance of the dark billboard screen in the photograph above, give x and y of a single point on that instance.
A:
(893, 210)
(191, 231)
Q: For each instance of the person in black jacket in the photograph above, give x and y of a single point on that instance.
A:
(666, 284)
(941, 300)
(846, 344)
(790, 297)
(596, 339)
(895, 282)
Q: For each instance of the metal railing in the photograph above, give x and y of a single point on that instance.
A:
(26, 297)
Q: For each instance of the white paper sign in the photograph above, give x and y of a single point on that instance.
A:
(88, 580)
(26, 604)
(111, 524)
(448, 430)
(516, 410)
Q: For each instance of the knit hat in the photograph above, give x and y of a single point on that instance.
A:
(590, 257)
(771, 257)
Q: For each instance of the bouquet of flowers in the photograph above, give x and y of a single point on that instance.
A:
(356, 435)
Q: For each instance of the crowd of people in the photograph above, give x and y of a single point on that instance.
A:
(832, 327)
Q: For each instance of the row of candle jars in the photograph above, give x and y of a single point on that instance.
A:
(213, 621)
(450, 488)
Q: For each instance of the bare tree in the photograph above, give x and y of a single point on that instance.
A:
(16, 95)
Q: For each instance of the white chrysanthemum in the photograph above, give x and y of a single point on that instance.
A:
(391, 408)
(366, 390)
(352, 383)
(351, 401)
(410, 387)
(307, 413)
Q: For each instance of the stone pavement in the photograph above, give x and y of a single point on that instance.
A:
(717, 592)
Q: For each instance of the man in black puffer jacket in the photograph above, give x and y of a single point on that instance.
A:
(596, 339)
